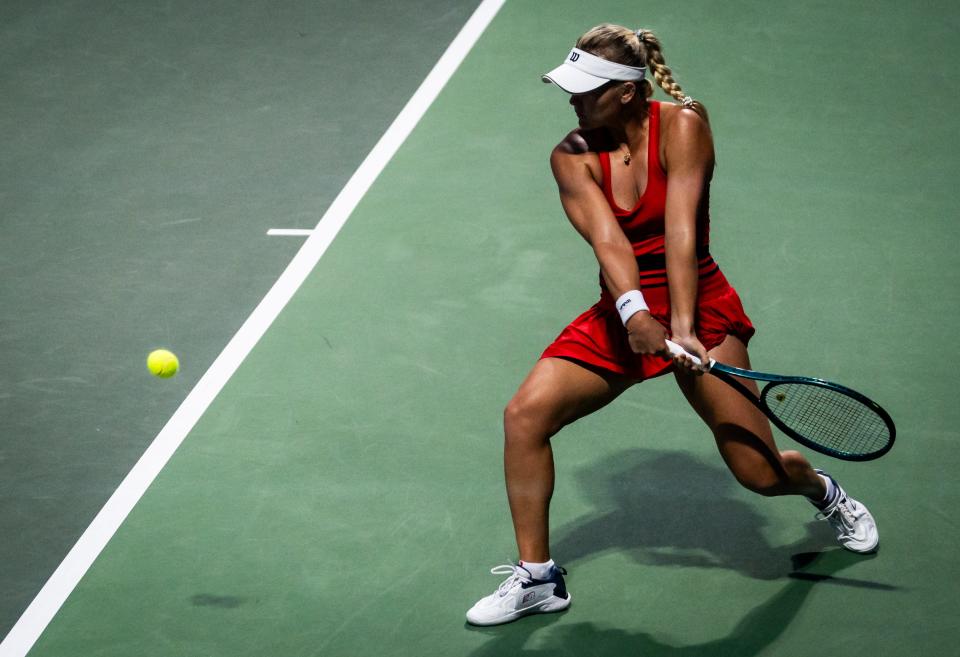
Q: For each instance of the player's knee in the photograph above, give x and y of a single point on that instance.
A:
(794, 462)
(525, 419)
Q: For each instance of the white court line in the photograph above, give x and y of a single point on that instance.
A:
(65, 578)
(290, 232)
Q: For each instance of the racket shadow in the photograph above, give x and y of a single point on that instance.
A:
(666, 508)
(803, 560)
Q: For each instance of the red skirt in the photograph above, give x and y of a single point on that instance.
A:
(598, 338)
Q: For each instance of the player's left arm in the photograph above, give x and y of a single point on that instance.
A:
(689, 159)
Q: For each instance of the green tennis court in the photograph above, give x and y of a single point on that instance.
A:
(338, 488)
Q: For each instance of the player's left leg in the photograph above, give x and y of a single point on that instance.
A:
(745, 442)
(743, 433)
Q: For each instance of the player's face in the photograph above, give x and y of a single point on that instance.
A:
(599, 107)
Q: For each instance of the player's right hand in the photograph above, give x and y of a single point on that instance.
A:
(646, 336)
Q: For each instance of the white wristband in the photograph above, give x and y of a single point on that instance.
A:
(629, 304)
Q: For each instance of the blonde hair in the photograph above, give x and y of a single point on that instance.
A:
(637, 48)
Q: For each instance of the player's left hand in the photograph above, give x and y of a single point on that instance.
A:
(693, 345)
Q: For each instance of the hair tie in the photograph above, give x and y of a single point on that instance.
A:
(687, 102)
(639, 34)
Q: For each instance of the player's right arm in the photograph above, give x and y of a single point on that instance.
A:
(588, 211)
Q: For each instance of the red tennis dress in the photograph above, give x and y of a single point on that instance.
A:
(597, 337)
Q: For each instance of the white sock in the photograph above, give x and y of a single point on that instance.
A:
(831, 492)
(538, 570)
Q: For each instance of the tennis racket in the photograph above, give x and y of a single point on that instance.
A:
(827, 417)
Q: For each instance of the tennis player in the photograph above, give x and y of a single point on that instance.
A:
(634, 180)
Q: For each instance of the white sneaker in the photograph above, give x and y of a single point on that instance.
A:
(855, 528)
(520, 595)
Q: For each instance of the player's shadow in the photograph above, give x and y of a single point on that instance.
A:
(755, 632)
(670, 509)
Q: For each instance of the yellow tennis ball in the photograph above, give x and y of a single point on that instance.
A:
(162, 363)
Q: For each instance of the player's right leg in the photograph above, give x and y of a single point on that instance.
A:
(556, 393)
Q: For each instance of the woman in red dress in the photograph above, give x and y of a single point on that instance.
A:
(634, 180)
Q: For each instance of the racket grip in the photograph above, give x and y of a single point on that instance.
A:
(677, 350)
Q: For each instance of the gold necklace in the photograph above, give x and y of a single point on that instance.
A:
(626, 156)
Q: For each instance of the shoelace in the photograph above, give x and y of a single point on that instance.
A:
(845, 516)
(514, 579)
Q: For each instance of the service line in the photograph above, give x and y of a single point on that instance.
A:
(68, 574)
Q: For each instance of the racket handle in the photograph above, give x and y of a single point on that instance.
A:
(677, 350)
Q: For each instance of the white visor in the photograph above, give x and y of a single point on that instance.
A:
(583, 72)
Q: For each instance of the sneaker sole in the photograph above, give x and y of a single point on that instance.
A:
(862, 550)
(562, 605)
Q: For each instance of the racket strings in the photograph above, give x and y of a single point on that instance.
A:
(828, 417)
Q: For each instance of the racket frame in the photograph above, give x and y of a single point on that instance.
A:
(726, 373)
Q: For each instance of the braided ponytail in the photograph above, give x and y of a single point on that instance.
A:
(637, 48)
(650, 45)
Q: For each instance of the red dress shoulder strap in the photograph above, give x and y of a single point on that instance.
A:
(607, 187)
